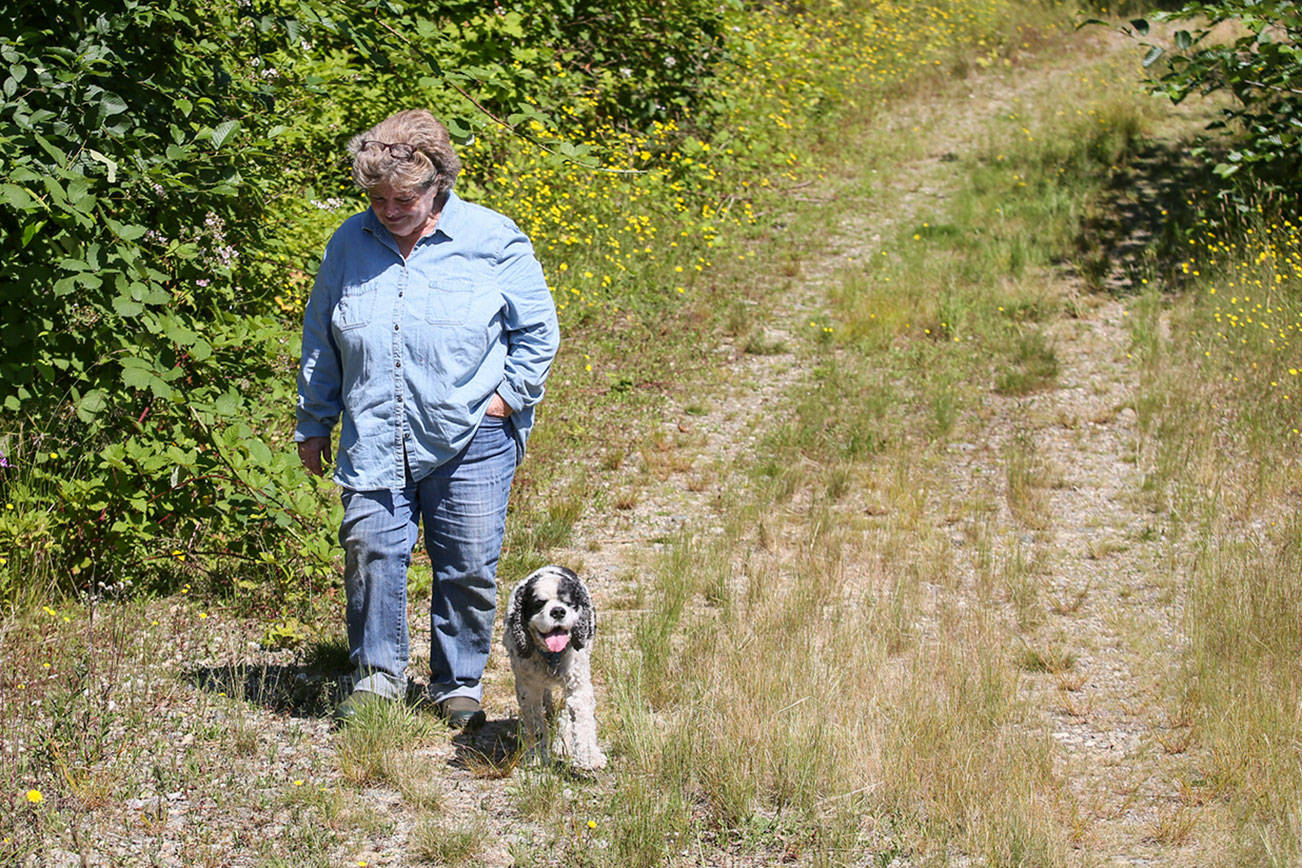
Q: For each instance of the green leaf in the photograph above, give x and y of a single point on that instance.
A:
(55, 190)
(125, 231)
(460, 130)
(17, 197)
(179, 334)
(30, 230)
(126, 308)
(223, 131)
(510, 24)
(258, 451)
(161, 389)
(110, 165)
(110, 105)
(114, 455)
(79, 195)
(1153, 54)
(227, 404)
(57, 155)
(137, 378)
(91, 405)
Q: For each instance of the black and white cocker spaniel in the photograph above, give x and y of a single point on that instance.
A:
(549, 628)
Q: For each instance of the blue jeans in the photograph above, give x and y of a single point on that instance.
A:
(463, 506)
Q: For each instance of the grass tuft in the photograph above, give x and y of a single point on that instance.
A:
(373, 747)
(436, 840)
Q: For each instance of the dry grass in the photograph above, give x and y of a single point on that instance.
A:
(1216, 437)
(847, 662)
(839, 664)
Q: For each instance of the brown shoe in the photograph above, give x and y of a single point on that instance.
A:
(461, 712)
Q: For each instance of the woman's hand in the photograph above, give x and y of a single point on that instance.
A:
(498, 407)
(314, 452)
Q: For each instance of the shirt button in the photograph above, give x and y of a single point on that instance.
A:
(397, 364)
(396, 327)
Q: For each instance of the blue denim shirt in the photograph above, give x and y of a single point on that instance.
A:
(407, 354)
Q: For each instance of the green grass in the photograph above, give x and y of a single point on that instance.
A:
(373, 746)
(440, 842)
(1220, 441)
(835, 671)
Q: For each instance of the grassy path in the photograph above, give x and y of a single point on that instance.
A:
(886, 588)
(1101, 605)
(1036, 506)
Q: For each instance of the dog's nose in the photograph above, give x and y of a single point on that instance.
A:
(558, 613)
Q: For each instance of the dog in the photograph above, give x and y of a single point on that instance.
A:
(550, 623)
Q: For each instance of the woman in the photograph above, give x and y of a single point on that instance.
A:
(428, 334)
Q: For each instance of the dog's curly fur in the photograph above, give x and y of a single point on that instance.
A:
(552, 607)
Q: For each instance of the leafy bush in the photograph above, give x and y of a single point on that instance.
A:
(158, 165)
(1259, 66)
(132, 316)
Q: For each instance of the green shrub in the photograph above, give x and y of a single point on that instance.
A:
(139, 364)
(1259, 66)
(168, 172)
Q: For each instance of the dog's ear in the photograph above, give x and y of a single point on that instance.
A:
(586, 627)
(516, 628)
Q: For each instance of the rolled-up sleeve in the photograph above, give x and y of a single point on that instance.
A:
(532, 333)
(320, 376)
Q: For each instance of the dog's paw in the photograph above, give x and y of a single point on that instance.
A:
(590, 763)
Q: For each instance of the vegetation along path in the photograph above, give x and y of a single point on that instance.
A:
(884, 585)
(1033, 508)
(1037, 503)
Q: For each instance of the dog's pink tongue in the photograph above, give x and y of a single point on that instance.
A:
(557, 641)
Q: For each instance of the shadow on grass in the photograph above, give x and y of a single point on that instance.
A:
(1140, 228)
(492, 751)
(311, 689)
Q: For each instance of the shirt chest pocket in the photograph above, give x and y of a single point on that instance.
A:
(448, 302)
(356, 305)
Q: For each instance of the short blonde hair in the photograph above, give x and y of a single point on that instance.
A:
(434, 162)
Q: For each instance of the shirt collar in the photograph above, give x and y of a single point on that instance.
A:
(451, 220)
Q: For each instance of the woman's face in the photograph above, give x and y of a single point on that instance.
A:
(405, 213)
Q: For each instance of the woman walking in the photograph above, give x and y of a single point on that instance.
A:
(428, 337)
